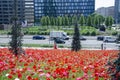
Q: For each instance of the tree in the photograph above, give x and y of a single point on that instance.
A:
(82, 20)
(89, 21)
(59, 22)
(63, 21)
(109, 21)
(43, 21)
(101, 19)
(66, 20)
(47, 21)
(74, 18)
(93, 16)
(96, 21)
(76, 46)
(52, 21)
(70, 21)
(16, 39)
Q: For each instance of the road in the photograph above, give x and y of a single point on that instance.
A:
(90, 43)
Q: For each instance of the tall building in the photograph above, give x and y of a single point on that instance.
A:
(29, 11)
(62, 7)
(7, 10)
(117, 11)
(106, 11)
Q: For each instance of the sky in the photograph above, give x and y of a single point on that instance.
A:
(103, 3)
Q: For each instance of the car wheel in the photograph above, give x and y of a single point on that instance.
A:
(106, 40)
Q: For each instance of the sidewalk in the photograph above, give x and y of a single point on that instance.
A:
(41, 48)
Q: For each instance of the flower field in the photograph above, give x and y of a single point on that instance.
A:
(55, 65)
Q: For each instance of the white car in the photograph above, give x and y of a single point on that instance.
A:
(109, 39)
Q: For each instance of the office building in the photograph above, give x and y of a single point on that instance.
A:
(106, 11)
(117, 11)
(62, 7)
(29, 11)
(7, 10)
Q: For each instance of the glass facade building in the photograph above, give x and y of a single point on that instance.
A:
(117, 11)
(6, 10)
(62, 7)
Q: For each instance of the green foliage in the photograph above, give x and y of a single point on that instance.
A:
(109, 21)
(89, 21)
(66, 20)
(74, 18)
(114, 33)
(93, 33)
(88, 31)
(63, 21)
(82, 20)
(101, 19)
(59, 22)
(96, 21)
(52, 21)
(43, 21)
(47, 20)
(76, 46)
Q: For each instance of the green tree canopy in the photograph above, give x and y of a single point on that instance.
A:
(82, 20)
(89, 21)
(109, 21)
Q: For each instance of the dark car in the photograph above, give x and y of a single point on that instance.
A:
(39, 37)
(67, 38)
(58, 40)
(82, 38)
(100, 38)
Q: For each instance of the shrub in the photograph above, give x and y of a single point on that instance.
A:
(87, 33)
(114, 33)
(93, 33)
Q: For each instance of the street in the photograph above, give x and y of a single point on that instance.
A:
(90, 43)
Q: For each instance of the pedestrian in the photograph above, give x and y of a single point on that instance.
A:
(55, 45)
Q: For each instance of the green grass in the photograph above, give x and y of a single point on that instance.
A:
(38, 45)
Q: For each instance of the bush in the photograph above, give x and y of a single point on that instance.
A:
(87, 33)
(93, 33)
(114, 33)
(9, 33)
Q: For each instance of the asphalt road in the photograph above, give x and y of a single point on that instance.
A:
(90, 43)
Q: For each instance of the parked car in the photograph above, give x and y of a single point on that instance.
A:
(82, 38)
(100, 38)
(39, 37)
(109, 39)
(59, 40)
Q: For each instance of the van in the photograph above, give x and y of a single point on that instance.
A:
(59, 34)
(110, 39)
